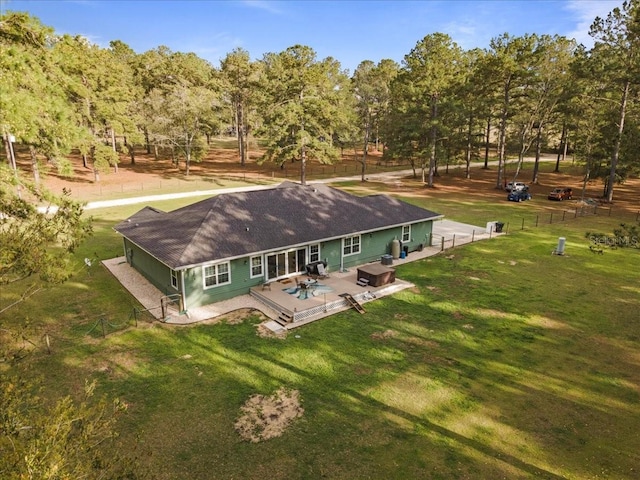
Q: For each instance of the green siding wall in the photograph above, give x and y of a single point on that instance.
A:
(150, 268)
(374, 245)
(196, 295)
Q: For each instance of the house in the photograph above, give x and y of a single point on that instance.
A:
(223, 246)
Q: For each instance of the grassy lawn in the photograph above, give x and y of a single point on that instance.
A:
(504, 361)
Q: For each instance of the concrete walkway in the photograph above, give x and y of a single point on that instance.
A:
(149, 296)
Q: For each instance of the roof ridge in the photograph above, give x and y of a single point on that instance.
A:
(193, 237)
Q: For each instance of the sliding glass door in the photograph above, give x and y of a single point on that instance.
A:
(286, 263)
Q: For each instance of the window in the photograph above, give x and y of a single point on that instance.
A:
(314, 253)
(215, 275)
(174, 279)
(256, 267)
(351, 245)
(406, 233)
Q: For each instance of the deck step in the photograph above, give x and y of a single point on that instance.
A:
(363, 282)
(283, 319)
(354, 303)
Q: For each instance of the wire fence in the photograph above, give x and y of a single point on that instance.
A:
(536, 220)
(204, 181)
(554, 217)
(51, 340)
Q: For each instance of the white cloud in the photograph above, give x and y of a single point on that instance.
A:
(585, 12)
(214, 48)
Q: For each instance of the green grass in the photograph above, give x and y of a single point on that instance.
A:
(504, 361)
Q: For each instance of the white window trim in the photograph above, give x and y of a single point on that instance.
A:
(261, 274)
(359, 237)
(318, 254)
(215, 265)
(408, 234)
(173, 278)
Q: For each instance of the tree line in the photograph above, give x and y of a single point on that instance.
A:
(441, 105)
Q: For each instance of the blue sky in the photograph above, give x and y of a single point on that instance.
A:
(349, 31)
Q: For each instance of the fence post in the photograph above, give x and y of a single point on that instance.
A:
(453, 242)
(537, 218)
(442, 246)
(551, 218)
(564, 212)
(490, 231)
(507, 232)
(473, 235)
(522, 224)
(104, 333)
(48, 342)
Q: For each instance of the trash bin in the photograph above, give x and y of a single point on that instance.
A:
(499, 226)
(405, 250)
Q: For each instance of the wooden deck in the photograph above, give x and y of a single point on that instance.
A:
(321, 299)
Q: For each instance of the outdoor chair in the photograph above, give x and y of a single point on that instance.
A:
(322, 271)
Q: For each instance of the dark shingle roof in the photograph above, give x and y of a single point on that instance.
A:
(238, 224)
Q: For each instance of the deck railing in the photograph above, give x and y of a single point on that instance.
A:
(309, 314)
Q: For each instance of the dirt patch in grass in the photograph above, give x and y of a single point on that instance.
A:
(263, 331)
(238, 316)
(423, 343)
(383, 335)
(118, 365)
(362, 370)
(263, 417)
